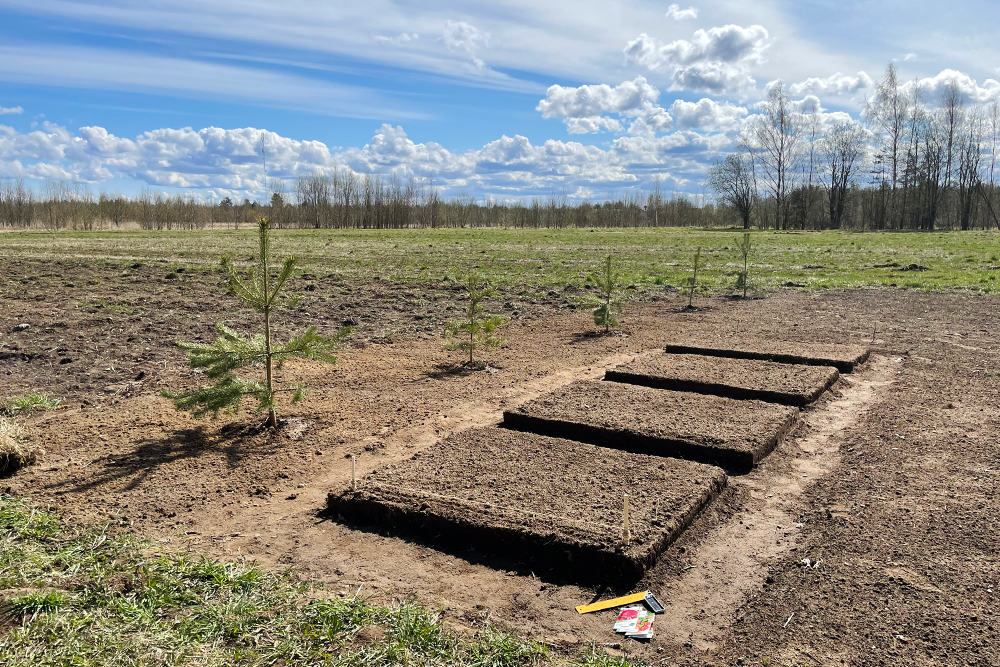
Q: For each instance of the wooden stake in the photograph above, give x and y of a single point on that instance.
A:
(626, 530)
(354, 473)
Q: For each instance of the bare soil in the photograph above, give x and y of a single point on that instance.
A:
(890, 481)
(843, 358)
(554, 505)
(730, 433)
(788, 384)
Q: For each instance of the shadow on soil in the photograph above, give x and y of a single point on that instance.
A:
(236, 442)
(584, 336)
(444, 371)
(563, 574)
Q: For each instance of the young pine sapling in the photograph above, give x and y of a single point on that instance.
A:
(611, 297)
(232, 351)
(478, 329)
(743, 277)
(693, 280)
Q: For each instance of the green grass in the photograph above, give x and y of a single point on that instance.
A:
(28, 403)
(553, 259)
(91, 597)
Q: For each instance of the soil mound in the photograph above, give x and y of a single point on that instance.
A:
(547, 502)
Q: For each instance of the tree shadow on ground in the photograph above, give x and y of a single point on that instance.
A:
(236, 442)
(465, 369)
(593, 334)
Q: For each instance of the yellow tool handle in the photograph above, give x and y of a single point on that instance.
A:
(608, 604)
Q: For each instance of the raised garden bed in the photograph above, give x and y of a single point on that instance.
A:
(720, 431)
(788, 384)
(547, 502)
(845, 358)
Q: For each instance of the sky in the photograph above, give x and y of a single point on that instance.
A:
(505, 99)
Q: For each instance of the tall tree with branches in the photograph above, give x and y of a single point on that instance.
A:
(732, 181)
(260, 289)
(774, 135)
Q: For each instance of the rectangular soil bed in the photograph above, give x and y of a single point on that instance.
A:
(769, 381)
(711, 429)
(842, 357)
(547, 502)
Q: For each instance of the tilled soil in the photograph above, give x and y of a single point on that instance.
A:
(843, 358)
(731, 433)
(891, 484)
(556, 505)
(788, 384)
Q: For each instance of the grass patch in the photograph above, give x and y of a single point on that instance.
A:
(28, 403)
(92, 597)
(553, 259)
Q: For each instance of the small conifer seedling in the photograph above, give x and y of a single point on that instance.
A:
(743, 277)
(478, 329)
(611, 297)
(232, 350)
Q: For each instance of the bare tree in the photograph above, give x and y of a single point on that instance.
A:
(887, 115)
(969, 161)
(732, 181)
(843, 149)
(774, 135)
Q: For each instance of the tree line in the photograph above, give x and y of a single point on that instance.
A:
(907, 164)
(345, 200)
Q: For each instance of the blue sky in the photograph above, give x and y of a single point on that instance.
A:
(508, 98)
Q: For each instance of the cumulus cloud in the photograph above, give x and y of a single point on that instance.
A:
(593, 100)
(707, 114)
(592, 124)
(582, 108)
(462, 37)
(11, 111)
(214, 161)
(718, 60)
(836, 84)
(972, 92)
(676, 13)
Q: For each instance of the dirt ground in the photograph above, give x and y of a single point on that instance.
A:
(889, 483)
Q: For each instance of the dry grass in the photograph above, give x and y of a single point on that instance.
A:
(16, 448)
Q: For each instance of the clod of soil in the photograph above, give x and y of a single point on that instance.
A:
(547, 502)
(842, 357)
(788, 384)
(720, 431)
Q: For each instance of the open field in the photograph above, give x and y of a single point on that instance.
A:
(890, 480)
(562, 259)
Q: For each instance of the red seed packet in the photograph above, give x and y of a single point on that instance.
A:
(627, 619)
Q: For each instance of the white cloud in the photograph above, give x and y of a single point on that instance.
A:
(836, 84)
(718, 60)
(706, 114)
(398, 40)
(972, 92)
(592, 124)
(464, 38)
(909, 56)
(213, 160)
(676, 13)
(11, 111)
(582, 107)
(593, 100)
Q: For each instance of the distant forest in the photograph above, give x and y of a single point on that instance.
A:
(908, 164)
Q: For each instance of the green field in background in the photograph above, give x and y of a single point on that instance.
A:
(556, 258)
